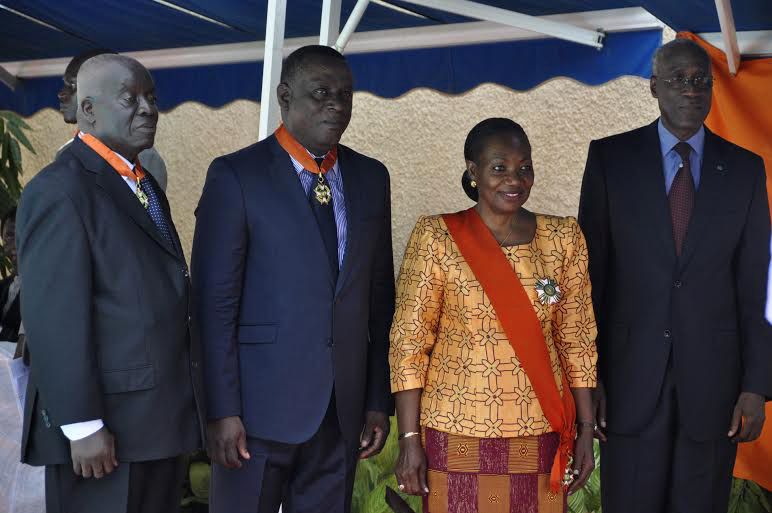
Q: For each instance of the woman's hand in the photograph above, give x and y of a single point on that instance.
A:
(411, 467)
(584, 459)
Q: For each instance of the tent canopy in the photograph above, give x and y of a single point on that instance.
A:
(212, 51)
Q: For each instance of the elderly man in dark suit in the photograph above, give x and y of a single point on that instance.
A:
(111, 405)
(678, 229)
(294, 283)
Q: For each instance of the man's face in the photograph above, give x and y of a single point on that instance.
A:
(316, 106)
(68, 102)
(9, 240)
(683, 107)
(124, 111)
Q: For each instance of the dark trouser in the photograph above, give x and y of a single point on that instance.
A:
(662, 470)
(313, 477)
(146, 487)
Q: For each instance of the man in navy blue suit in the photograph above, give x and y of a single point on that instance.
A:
(294, 282)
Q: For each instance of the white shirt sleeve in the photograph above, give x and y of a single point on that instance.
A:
(769, 289)
(81, 430)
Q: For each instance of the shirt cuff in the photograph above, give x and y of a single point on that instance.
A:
(81, 430)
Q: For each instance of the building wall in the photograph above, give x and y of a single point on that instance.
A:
(419, 136)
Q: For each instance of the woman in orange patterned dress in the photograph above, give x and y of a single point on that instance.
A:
(493, 345)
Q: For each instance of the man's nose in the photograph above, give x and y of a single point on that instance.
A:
(147, 107)
(336, 101)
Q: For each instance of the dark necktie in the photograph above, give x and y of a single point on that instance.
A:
(155, 211)
(681, 196)
(325, 218)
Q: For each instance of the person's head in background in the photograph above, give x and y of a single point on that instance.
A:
(68, 104)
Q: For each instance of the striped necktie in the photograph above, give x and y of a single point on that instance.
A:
(325, 219)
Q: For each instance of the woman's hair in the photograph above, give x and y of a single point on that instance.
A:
(475, 142)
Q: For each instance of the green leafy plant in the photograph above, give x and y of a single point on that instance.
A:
(374, 475)
(587, 498)
(195, 497)
(748, 497)
(12, 137)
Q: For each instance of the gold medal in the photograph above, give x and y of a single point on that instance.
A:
(142, 197)
(322, 191)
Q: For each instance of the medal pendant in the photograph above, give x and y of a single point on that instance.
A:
(142, 197)
(322, 191)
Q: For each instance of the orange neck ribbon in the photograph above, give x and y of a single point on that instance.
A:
(113, 159)
(521, 325)
(299, 153)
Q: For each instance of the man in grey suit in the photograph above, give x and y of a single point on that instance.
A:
(112, 402)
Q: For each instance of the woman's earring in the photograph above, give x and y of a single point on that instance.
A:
(473, 184)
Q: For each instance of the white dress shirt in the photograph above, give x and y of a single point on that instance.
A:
(81, 430)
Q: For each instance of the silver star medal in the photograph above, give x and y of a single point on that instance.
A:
(547, 290)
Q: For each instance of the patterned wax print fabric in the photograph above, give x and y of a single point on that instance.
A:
(446, 337)
(490, 475)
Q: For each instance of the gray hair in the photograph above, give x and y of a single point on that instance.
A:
(676, 46)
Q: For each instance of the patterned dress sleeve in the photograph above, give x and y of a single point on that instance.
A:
(574, 329)
(419, 297)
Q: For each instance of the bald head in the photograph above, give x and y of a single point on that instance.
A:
(117, 104)
(68, 104)
(97, 72)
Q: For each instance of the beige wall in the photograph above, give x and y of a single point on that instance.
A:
(419, 136)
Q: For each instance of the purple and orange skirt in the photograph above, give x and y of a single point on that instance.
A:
(490, 475)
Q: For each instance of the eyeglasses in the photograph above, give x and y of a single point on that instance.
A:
(700, 82)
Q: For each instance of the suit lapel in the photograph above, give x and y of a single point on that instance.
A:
(294, 199)
(652, 196)
(115, 187)
(351, 190)
(712, 174)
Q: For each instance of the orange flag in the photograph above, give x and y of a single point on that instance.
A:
(742, 113)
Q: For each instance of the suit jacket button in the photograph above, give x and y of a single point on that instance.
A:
(330, 343)
(667, 334)
(186, 273)
(46, 421)
(194, 365)
(677, 284)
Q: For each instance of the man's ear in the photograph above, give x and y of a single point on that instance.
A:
(653, 86)
(284, 95)
(87, 111)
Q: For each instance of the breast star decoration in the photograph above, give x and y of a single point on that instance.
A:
(547, 290)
